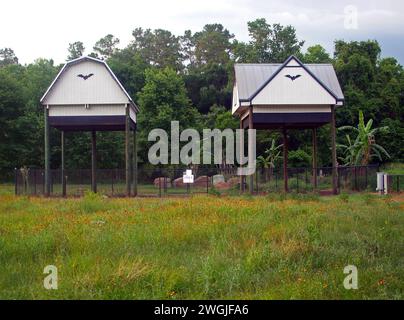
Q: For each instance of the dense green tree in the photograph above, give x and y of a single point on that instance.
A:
(163, 99)
(299, 159)
(373, 85)
(159, 47)
(209, 85)
(106, 46)
(11, 109)
(76, 50)
(208, 76)
(37, 78)
(269, 43)
(316, 54)
(393, 139)
(7, 56)
(220, 118)
(187, 42)
(212, 45)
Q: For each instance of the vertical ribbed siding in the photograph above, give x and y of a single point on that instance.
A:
(101, 88)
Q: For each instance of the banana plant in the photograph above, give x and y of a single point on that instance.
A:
(364, 148)
(272, 155)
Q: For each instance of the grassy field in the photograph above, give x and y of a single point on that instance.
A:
(394, 168)
(209, 247)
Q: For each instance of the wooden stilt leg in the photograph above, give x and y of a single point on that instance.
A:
(334, 153)
(250, 148)
(285, 160)
(62, 138)
(47, 153)
(241, 155)
(94, 161)
(314, 157)
(127, 151)
(134, 163)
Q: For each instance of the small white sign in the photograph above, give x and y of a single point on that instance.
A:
(188, 177)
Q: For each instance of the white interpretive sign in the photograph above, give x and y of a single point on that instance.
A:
(188, 177)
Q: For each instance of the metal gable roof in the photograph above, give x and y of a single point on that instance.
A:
(85, 58)
(251, 78)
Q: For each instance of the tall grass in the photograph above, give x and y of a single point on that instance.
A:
(394, 168)
(275, 247)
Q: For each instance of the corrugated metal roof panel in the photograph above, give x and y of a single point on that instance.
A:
(250, 77)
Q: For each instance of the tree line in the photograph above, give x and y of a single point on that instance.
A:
(189, 78)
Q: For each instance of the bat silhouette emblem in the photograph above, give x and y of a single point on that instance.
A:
(85, 77)
(293, 78)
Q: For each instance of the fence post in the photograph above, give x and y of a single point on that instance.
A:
(35, 181)
(15, 181)
(51, 182)
(112, 181)
(366, 181)
(159, 187)
(47, 189)
(62, 143)
(305, 173)
(276, 181)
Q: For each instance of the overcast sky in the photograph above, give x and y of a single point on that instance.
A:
(44, 28)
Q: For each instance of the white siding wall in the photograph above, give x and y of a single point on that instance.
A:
(101, 88)
(93, 110)
(292, 109)
(302, 91)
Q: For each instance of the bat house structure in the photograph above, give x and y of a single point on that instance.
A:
(288, 96)
(87, 96)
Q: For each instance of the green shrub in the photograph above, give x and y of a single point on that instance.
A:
(214, 192)
(344, 197)
(299, 159)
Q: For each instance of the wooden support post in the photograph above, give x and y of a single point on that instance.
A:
(62, 143)
(15, 181)
(250, 149)
(285, 160)
(94, 161)
(134, 163)
(47, 153)
(127, 151)
(131, 168)
(241, 154)
(314, 157)
(334, 153)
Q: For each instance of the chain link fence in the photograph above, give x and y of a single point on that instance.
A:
(160, 182)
